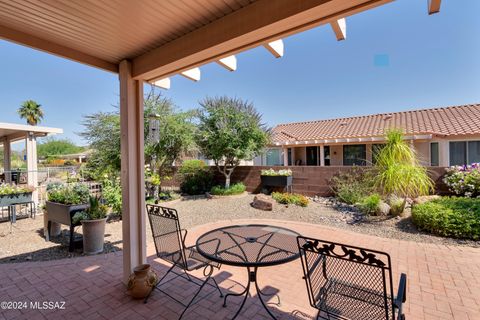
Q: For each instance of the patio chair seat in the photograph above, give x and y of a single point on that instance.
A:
(364, 303)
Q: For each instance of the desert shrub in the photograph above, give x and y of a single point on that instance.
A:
(352, 186)
(196, 177)
(464, 180)
(370, 204)
(236, 188)
(450, 217)
(290, 198)
(112, 196)
(397, 205)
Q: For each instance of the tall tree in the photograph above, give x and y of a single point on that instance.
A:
(31, 111)
(51, 147)
(230, 130)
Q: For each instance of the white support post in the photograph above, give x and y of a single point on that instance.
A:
(32, 172)
(443, 153)
(322, 155)
(7, 165)
(132, 172)
(285, 157)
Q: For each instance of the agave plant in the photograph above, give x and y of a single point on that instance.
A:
(398, 170)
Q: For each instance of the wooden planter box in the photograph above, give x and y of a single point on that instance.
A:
(276, 181)
(63, 214)
(9, 199)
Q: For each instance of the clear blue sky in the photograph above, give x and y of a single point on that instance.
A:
(432, 61)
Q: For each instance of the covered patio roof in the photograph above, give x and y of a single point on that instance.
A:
(14, 132)
(149, 41)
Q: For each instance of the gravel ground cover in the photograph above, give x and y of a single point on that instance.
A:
(25, 241)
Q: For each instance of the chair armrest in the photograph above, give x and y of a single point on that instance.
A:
(401, 295)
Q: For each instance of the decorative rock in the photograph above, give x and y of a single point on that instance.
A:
(262, 202)
(383, 209)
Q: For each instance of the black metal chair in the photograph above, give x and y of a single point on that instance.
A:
(347, 282)
(169, 241)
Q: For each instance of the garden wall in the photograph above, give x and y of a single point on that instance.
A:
(307, 180)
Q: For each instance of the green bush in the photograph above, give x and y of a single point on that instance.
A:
(370, 204)
(449, 217)
(196, 177)
(290, 198)
(112, 196)
(397, 205)
(353, 186)
(69, 194)
(236, 188)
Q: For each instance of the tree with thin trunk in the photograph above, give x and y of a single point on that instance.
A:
(229, 131)
(31, 111)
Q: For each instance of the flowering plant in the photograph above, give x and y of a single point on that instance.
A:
(271, 172)
(8, 189)
(464, 180)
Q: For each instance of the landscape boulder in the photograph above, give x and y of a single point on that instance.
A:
(262, 202)
(424, 199)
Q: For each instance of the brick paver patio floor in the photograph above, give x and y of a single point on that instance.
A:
(443, 283)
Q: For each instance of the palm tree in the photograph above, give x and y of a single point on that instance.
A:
(31, 111)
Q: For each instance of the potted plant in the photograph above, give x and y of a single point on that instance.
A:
(63, 202)
(93, 224)
(11, 194)
(280, 178)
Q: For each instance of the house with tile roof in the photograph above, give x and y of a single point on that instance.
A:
(441, 136)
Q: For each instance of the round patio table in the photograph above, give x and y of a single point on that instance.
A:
(251, 246)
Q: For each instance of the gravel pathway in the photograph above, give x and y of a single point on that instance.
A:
(25, 242)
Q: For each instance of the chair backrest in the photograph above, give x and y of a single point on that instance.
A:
(347, 282)
(167, 234)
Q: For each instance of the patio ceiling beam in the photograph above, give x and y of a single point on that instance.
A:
(434, 6)
(275, 47)
(255, 24)
(229, 63)
(162, 83)
(192, 74)
(34, 42)
(340, 28)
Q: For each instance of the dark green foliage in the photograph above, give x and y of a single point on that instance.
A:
(236, 188)
(196, 177)
(290, 198)
(50, 147)
(112, 195)
(353, 186)
(370, 204)
(449, 217)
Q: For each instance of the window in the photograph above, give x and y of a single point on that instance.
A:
(273, 157)
(289, 152)
(434, 157)
(354, 155)
(376, 147)
(464, 152)
(473, 151)
(326, 155)
(312, 156)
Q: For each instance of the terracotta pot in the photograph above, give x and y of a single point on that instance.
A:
(141, 281)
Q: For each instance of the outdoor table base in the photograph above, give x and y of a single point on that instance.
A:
(252, 277)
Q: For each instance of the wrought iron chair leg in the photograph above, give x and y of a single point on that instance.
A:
(196, 294)
(158, 283)
(218, 288)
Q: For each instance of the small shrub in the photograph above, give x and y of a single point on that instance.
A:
(95, 211)
(449, 217)
(464, 180)
(290, 198)
(196, 177)
(370, 204)
(112, 196)
(236, 188)
(352, 186)
(397, 205)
